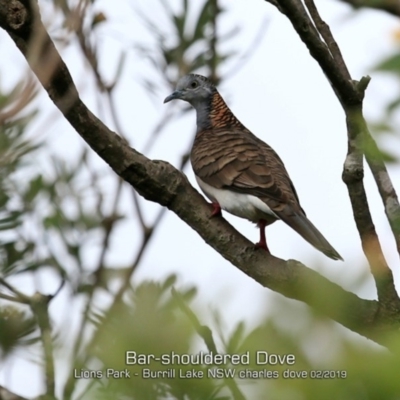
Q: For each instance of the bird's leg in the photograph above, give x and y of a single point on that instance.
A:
(262, 244)
(216, 209)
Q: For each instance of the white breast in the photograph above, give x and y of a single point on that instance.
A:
(239, 204)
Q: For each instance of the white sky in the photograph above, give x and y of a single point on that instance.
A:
(283, 97)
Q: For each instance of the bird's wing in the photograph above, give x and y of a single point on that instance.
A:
(238, 161)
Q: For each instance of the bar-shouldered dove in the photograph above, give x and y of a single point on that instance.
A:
(237, 171)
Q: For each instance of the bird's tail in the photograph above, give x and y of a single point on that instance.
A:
(304, 227)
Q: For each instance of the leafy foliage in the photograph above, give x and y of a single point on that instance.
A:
(387, 127)
(16, 329)
(50, 217)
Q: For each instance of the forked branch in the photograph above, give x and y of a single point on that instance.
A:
(317, 36)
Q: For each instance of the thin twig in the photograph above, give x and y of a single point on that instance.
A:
(69, 387)
(139, 212)
(249, 50)
(91, 56)
(55, 294)
(12, 298)
(385, 186)
(342, 86)
(21, 296)
(325, 31)
(19, 100)
(39, 306)
(159, 127)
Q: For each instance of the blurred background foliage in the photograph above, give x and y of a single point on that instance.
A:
(56, 220)
(387, 127)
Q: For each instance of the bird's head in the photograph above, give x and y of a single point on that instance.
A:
(194, 89)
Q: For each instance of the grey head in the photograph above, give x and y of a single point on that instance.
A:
(199, 92)
(195, 89)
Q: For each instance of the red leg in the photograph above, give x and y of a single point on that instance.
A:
(262, 244)
(216, 209)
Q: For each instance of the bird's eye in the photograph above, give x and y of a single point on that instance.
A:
(193, 85)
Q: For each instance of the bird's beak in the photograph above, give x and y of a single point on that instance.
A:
(173, 96)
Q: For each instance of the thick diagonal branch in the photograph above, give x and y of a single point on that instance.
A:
(158, 181)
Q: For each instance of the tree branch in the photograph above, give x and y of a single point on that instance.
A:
(323, 28)
(18, 297)
(311, 28)
(353, 175)
(390, 6)
(39, 305)
(158, 181)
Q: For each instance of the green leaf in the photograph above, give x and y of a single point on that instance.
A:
(189, 294)
(391, 64)
(370, 149)
(392, 106)
(389, 157)
(15, 325)
(202, 21)
(169, 281)
(3, 199)
(380, 127)
(98, 18)
(11, 221)
(35, 186)
(236, 339)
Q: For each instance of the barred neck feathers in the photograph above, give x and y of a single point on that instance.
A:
(214, 114)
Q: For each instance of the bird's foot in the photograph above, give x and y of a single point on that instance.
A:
(263, 246)
(216, 210)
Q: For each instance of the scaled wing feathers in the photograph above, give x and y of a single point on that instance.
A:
(238, 161)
